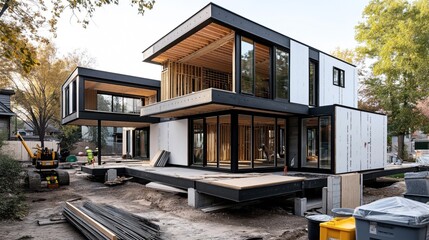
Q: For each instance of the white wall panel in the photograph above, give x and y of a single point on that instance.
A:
(154, 140)
(178, 142)
(171, 136)
(299, 66)
(330, 94)
(360, 139)
(341, 122)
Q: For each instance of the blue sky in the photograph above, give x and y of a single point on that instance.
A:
(117, 36)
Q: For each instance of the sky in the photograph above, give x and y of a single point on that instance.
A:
(117, 35)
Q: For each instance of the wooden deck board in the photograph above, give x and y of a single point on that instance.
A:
(255, 182)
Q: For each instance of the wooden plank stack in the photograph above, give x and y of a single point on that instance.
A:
(160, 159)
(100, 221)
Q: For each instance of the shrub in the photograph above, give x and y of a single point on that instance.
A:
(12, 203)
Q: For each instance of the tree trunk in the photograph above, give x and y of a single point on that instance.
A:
(401, 152)
(42, 138)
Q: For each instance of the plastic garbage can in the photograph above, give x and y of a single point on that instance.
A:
(343, 212)
(314, 222)
(392, 218)
(417, 183)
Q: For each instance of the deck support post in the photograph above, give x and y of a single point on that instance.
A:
(199, 200)
(300, 206)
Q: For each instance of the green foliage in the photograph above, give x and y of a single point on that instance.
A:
(70, 134)
(23, 22)
(37, 94)
(394, 36)
(11, 199)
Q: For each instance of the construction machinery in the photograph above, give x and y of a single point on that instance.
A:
(46, 162)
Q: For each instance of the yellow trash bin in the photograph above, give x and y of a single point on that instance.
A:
(338, 229)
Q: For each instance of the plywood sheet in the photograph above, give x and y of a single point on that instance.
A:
(350, 190)
(255, 182)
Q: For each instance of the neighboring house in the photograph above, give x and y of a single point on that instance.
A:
(235, 96)
(5, 111)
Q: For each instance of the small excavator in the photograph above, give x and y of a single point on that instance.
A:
(46, 162)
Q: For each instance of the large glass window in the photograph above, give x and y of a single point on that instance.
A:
(198, 144)
(66, 101)
(117, 104)
(282, 74)
(325, 142)
(264, 141)
(244, 141)
(313, 84)
(74, 97)
(262, 71)
(104, 102)
(211, 130)
(281, 142)
(225, 141)
(247, 69)
(141, 143)
(111, 139)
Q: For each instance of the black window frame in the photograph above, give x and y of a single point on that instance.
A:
(142, 99)
(341, 82)
(274, 73)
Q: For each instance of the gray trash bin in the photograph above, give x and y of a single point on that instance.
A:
(392, 218)
(417, 183)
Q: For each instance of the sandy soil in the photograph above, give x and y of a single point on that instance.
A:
(270, 219)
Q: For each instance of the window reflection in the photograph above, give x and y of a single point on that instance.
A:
(247, 61)
(282, 74)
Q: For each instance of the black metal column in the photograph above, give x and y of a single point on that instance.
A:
(99, 142)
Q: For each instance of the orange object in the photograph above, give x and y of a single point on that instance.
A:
(285, 170)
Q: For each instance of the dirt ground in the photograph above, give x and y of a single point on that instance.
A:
(269, 220)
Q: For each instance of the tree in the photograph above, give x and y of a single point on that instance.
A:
(37, 93)
(21, 22)
(394, 37)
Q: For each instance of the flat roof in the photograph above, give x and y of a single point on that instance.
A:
(213, 13)
(115, 78)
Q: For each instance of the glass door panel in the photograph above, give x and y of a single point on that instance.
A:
(310, 151)
(198, 142)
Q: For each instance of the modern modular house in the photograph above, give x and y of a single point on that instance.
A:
(237, 96)
(97, 98)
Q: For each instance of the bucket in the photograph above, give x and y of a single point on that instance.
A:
(71, 158)
(314, 222)
(343, 212)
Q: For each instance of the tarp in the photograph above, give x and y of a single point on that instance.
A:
(395, 210)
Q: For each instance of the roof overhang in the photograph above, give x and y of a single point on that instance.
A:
(215, 100)
(112, 78)
(110, 119)
(212, 16)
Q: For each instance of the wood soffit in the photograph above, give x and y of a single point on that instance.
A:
(211, 47)
(120, 89)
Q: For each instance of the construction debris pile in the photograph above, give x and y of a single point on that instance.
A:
(100, 221)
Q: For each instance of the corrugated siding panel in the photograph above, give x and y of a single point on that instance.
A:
(361, 140)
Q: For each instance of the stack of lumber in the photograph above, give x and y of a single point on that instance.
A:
(100, 221)
(160, 159)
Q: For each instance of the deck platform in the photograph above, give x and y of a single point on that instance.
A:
(232, 186)
(222, 185)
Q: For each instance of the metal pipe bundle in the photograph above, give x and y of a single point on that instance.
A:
(122, 224)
